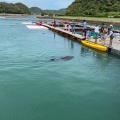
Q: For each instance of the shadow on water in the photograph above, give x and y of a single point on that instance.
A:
(52, 59)
(70, 42)
(65, 58)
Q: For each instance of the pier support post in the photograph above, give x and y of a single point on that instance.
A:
(109, 50)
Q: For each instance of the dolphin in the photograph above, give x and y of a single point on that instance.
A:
(62, 58)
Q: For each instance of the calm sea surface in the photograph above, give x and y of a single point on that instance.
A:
(32, 87)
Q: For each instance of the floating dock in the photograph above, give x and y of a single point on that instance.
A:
(77, 37)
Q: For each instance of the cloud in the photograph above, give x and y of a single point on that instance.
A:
(44, 4)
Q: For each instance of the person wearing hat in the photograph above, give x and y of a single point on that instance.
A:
(111, 35)
(111, 27)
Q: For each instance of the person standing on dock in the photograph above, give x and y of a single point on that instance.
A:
(84, 28)
(54, 22)
(65, 26)
(101, 32)
(73, 28)
(89, 34)
(105, 33)
(111, 27)
(111, 35)
(96, 33)
(69, 27)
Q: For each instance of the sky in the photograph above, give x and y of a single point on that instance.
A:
(43, 4)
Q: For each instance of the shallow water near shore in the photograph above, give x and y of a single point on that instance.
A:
(86, 87)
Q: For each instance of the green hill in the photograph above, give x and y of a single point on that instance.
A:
(57, 12)
(97, 8)
(20, 8)
(17, 8)
(36, 10)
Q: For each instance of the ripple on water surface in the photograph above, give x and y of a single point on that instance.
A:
(32, 87)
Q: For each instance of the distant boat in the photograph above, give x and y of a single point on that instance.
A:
(2, 17)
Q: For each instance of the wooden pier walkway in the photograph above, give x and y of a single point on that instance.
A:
(77, 37)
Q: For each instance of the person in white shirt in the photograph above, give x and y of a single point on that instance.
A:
(69, 27)
(65, 28)
(96, 33)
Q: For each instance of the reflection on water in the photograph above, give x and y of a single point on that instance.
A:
(94, 51)
(72, 44)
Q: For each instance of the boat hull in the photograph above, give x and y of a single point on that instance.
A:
(94, 45)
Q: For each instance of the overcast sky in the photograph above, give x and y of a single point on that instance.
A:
(43, 4)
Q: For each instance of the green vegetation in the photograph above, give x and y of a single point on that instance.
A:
(94, 8)
(37, 11)
(86, 8)
(55, 12)
(17, 8)
(90, 18)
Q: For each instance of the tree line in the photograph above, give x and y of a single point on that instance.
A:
(17, 8)
(20, 8)
(95, 8)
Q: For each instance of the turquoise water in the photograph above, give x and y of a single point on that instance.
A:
(86, 87)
